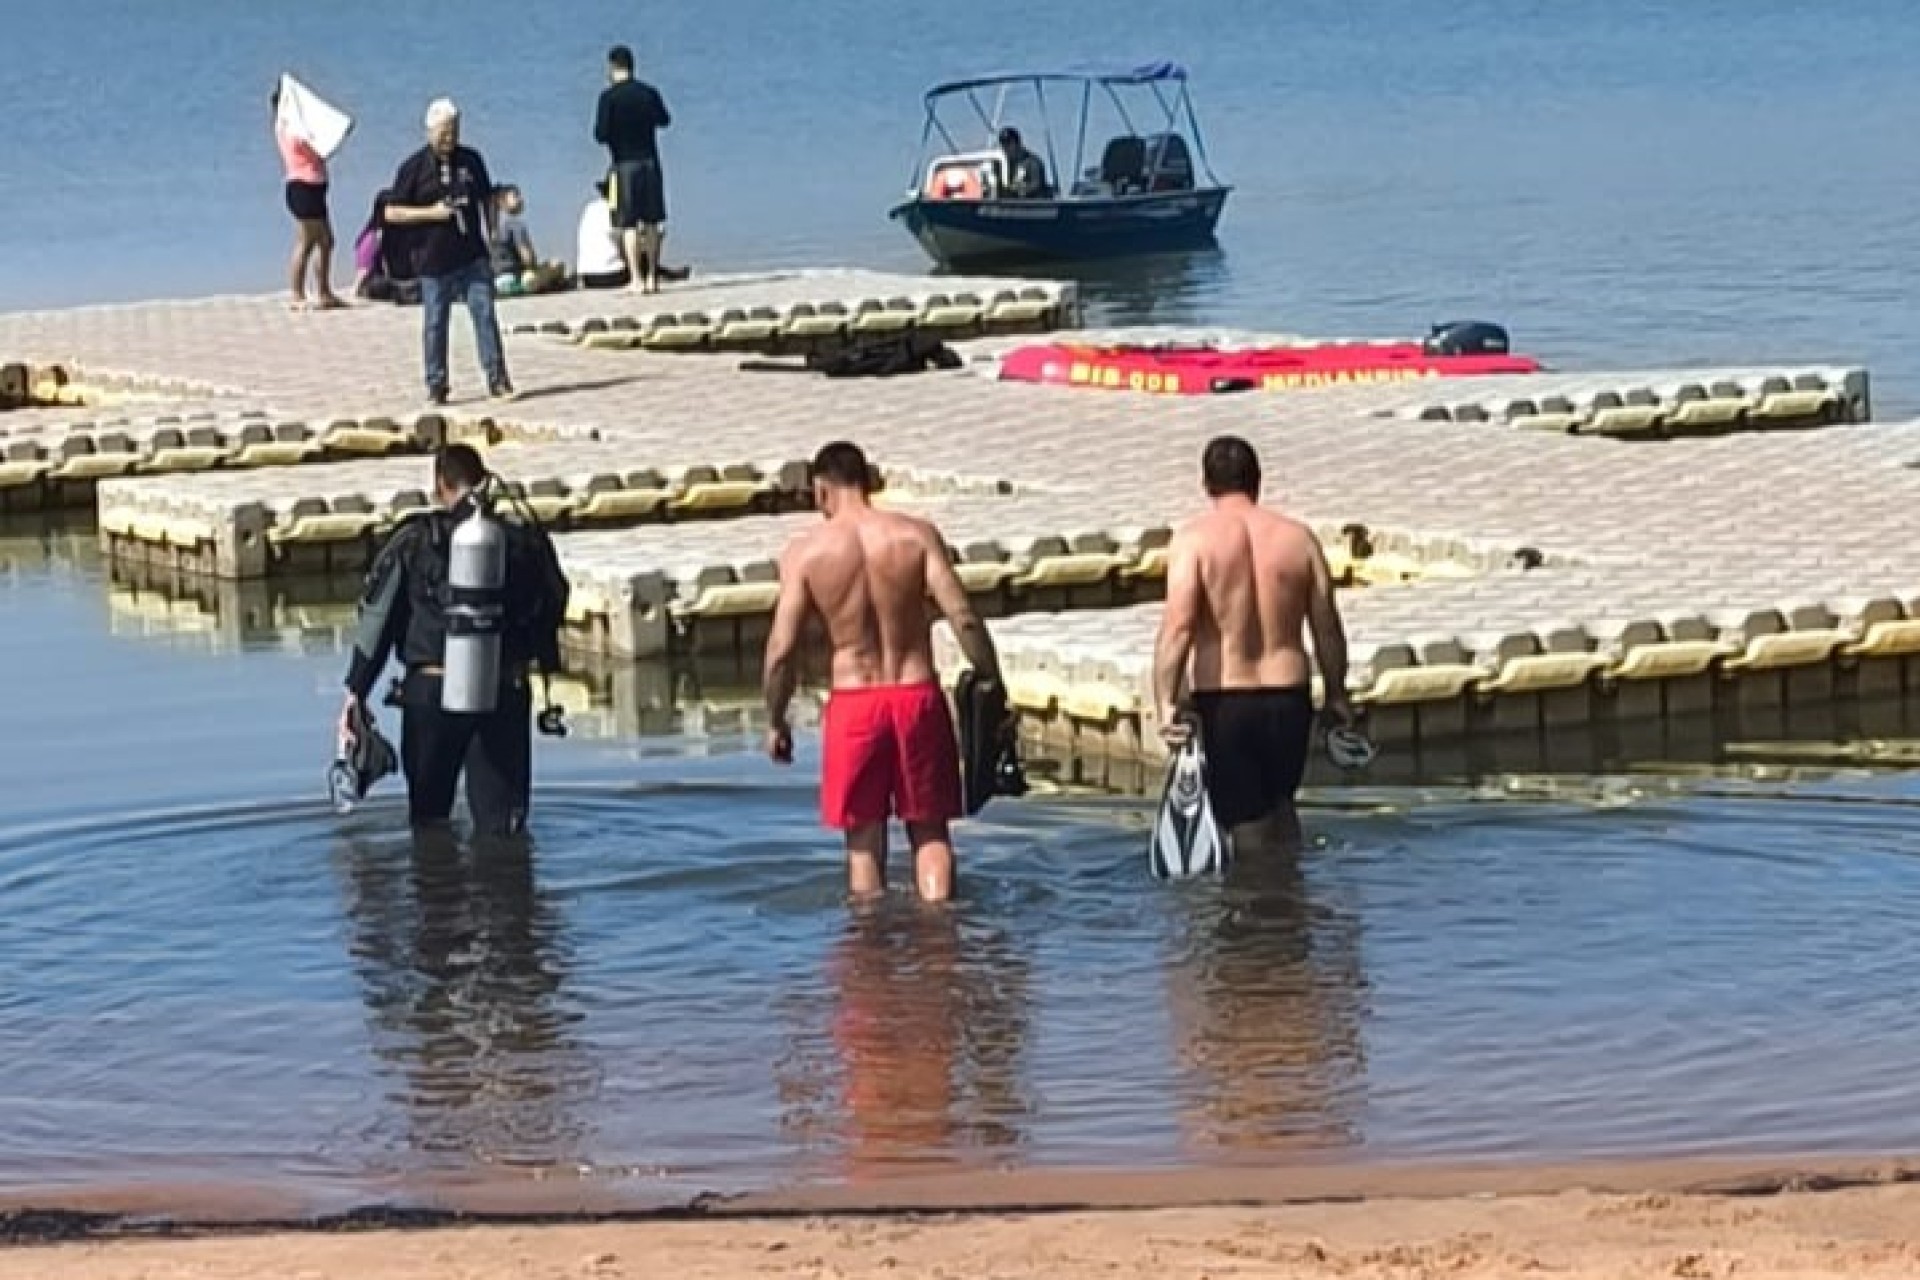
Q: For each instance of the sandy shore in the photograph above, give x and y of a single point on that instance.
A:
(1575, 1235)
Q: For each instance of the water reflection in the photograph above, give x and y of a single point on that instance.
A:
(1267, 994)
(463, 970)
(32, 545)
(1153, 289)
(912, 1059)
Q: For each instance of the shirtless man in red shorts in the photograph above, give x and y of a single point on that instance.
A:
(889, 742)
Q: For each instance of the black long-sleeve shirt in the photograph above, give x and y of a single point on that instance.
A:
(629, 115)
(404, 606)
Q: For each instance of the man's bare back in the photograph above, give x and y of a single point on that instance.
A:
(888, 743)
(1244, 586)
(1256, 573)
(866, 575)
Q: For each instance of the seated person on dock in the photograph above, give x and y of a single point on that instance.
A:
(516, 267)
(383, 270)
(1026, 174)
(599, 260)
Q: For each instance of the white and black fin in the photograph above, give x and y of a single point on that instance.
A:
(1186, 841)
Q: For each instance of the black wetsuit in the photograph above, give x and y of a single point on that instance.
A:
(404, 610)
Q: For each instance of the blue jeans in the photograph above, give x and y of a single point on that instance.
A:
(472, 283)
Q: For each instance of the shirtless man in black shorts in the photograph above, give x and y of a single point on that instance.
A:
(1243, 586)
(630, 113)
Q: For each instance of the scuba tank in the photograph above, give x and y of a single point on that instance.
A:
(476, 609)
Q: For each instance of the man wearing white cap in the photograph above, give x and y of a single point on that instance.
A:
(443, 190)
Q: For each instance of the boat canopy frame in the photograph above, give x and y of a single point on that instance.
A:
(1165, 81)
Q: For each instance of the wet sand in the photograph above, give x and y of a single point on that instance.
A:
(1690, 1219)
(1575, 1235)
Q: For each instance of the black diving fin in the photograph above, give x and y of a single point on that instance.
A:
(364, 758)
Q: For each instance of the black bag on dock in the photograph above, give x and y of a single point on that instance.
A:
(869, 358)
(885, 357)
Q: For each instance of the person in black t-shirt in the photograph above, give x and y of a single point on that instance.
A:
(444, 195)
(630, 114)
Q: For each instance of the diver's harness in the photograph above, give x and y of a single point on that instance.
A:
(476, 612)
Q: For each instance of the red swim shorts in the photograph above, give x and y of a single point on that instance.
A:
(889, 749)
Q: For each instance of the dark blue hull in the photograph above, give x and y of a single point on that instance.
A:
(963, 232)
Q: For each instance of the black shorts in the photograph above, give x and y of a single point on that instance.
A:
(307, 201)
(638, 195)
(606, 280)
(1256, 742)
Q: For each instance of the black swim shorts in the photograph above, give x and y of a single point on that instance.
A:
(638, 195)
(307, 201)
(1256, 742)
(606, 279)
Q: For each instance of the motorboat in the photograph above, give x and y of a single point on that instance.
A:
(1153, 190)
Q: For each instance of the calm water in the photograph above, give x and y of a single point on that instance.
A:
(1619, 182)
(210, 976)
(213, 978)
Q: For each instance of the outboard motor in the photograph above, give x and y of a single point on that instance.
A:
(1466, 338)
(476, 609)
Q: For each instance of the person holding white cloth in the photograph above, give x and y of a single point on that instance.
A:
(307, 131)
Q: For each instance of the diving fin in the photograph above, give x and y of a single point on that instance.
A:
(363, 759)
(1186, 840)
(989, 748)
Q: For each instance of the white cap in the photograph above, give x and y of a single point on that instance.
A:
(440, 111)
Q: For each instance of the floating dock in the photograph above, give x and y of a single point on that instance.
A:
(1527, 652)
(701, 589)
(702, 437)
(1524, 553)
(796, 312)
(58, 461)
(716, 699)
(256, 524)
(1078, 714)
(230, 383)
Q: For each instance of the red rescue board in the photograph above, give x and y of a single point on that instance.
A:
(1209, 370)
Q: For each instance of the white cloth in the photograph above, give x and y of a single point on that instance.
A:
(597, 247)
(441, 110)
(310, 118)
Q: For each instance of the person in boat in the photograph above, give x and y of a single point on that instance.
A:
(890, 748)
(1243, 586)
(1026, 173)
(517, 268)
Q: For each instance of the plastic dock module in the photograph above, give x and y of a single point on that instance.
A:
(256, 524)
(711, 588)
(1648, 406)
(1493, 662)
(784, 312)
(54, 459)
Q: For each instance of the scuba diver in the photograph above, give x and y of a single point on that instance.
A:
(471, 603)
